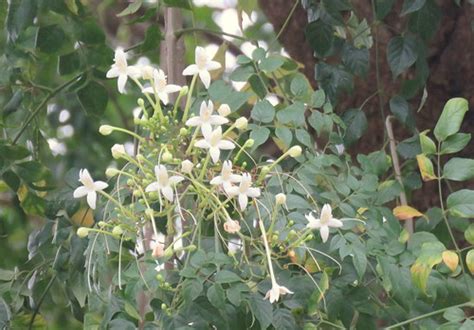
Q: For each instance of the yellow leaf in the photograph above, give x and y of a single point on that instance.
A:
(470, 261)
(84, 217)
(406, 212)
(451, 259)
(220, 57)
(426, 167)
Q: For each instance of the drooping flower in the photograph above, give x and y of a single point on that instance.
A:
(231, 226)
(118, 151)
(203, 65)
(276, 291)
(325, 221)
(244, 191)
(160, 86)
(206, 119)
(122, 70)
(164, 183)
(215, 143)
(227, 178)
(89, 188)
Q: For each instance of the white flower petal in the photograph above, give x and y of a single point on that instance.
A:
(243, 201)
(100, 185)
(113, 72)
(335, 223)
(168, 193)
(326, 213)
(194, 121)
(175, 179)
(80, 192)
(324, 231)
(154, 186)
(91, 199)
(216, 180)
(205, 78)
(172, 88)
(215, 154)
(218, 120)
(253, 192)
(122, 80)
(202, 144)
(225, 145)
(191, 70)
(213, 65)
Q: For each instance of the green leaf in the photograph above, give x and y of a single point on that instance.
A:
(242, 73)
(31, 171)
(318, 98)
(299, 85)
(356, 125)
(410, 6)
(293, 113)
(425, 21)
(401, 53)
(402, 111)
(454, 314)
(455, 143)
(226, 276)
(257, 86)
(356, 59)
(131, 8)
(11, 179)
(93, 98)
(69, 63)
(382, 8)
(271, 63)
(13, 152)
(451, 118)
(152, 39)
(262, 309)
(263, 111)
(50, 39)
(221, 92)
(283, 319)
(459, 169)
(192, 289)
(461, 203)
(234, 296)
(333, 80)
(130, 310)
(21, 14)
(430, 255)
(359, 259)
(426, 168)
(469, 232)
(5, 314)
(216, 296)
(285, 135)
(320, 37)
(428, 146)
(14, 103)
(321, 122)
(259, 135)
(303, 136)
(89, 32)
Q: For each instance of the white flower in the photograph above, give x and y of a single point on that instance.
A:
(160, 86)
(324, 222)
(226, 179)
(203, 65)
(186, 166)
(244, 191)
(231, 226)
(118, 150)
(214, 142)
(340, 149)
(164, 183)
(146, 70)
(122, 70)
(274, 293)
(89, 188)
(224, 110)
(206, 119)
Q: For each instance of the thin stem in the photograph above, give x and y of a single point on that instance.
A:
(40, 302)
(190, 30)
(420, 317)
(285, 24)
(188, 99)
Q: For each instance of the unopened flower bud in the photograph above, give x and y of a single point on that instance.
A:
(167, 156)
(241, 123)
(295, 151)
(168, 252)
(249, 143)
(265, 170)
(280, 199)
(231, 226)
(111, 172)
(340, 149)
(183, 131)
(224, 110)
(101, 224)
(118, 151)
(82, 232)
(105, 129)
(141, 102)
(117, 231)
(184, 90)
(150, 213)
(186, 166)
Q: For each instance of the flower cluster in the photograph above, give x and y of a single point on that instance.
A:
(191, 175)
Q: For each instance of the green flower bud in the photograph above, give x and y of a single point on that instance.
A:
(111, 172)
(167, 156)
(82, 232)
(106, 129)
(241, 123)
(117, 231)
(101, 224)
(140, 102)
(183, 131)
(249, 143)
(295, 151)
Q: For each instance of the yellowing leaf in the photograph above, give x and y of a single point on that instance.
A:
(470, 261)
(84, 217)
(220, 57)
(426, 167)
(451, 259)
(406, 212)
(430, 255)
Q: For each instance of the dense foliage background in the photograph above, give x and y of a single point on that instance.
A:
(357, 83)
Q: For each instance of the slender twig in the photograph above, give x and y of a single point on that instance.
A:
(285, 24)
(37, 110)
(396, 168)
(189, 30)
(40, 301)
